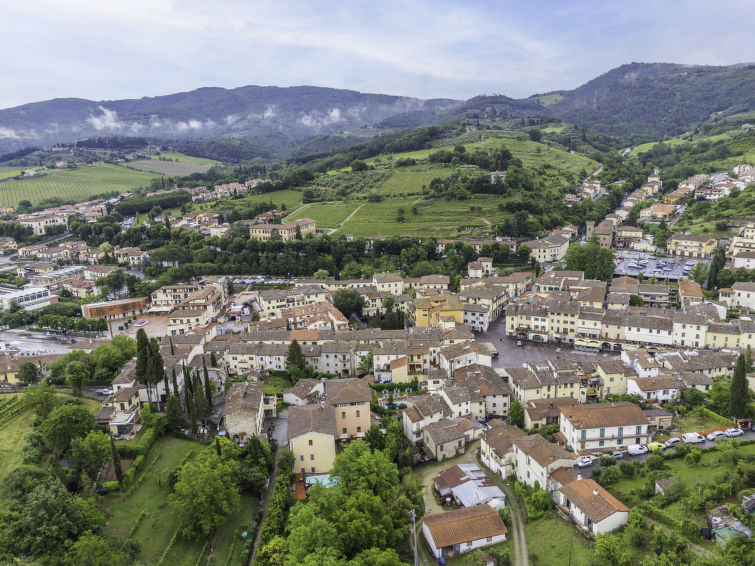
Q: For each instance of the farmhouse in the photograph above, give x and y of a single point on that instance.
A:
(463, 530)
(591, 507)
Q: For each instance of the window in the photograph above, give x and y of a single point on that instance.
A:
(601, 443)
(638, 431)
(310, 442)
(313, 469)
(602, 433)
(311, 456)
(584, 434)
(344, 431)
(357, 414)
(359, 429)
(301, 458)
(621, 431)
(343, 414)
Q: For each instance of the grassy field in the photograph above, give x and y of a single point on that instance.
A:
(692, 423)
(551, 540)
(439, 218)
(327, 214)
(275, 384)
(72, 184)
(11, 434)
(410, 180)
(706, 471)
(169, 168)
(183, 158)
(291, 199)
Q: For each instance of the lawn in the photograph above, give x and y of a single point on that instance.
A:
(552, 541)
(326, 214)
(11, 434)
(692, 423)
(275, 384)
(170, 168)
(159, 523)
(72, 184)
(228, 544)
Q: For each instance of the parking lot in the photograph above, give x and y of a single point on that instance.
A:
(634, 263)
(587, 472)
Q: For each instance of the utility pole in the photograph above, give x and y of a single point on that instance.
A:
(414, 532)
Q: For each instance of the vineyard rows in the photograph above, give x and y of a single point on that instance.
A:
(9, 408)
(407, 181)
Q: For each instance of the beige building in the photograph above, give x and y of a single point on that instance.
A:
(350, 399)
(691, 245)
(552, 248)
(244, 412)
(287, 232)
(311, 438)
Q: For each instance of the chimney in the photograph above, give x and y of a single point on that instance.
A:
(579, 476)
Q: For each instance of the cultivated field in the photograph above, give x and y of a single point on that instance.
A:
(437, 218)
(291, 199)
(326, 214)
(179, 165)
(410, 180)
(72, 184)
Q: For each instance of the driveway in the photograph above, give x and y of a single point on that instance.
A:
(431, 470)
(279, 431)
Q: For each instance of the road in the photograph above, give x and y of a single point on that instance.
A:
(520, 556)
(588, 472)
(265, 503)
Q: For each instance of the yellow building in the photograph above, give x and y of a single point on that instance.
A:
(350, 399)
(287, 232)
(429, 310)
(400, 370)
(552, 248)
(722, 335)
(311, 436)
(691, 245)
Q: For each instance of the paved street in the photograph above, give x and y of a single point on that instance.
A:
(34, 343)
(587, 472)
(511, 355)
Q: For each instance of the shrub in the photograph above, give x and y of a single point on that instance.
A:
(627, 468)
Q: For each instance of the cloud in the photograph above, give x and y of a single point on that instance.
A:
(317, 119)
(8, 133)
(107, 120)
(270, 112)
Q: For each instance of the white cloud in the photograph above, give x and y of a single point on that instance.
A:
(8, 133)
(107, 120)
(270, 112)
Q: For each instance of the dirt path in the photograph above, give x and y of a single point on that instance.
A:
(302, 207)
(596, 172)
(345, 220)
(265, 501)
(520, 555)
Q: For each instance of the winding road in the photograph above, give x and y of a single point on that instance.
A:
(519, 556)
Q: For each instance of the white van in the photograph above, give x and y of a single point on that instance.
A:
(693, 437)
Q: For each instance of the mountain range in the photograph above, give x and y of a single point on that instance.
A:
(642, 101)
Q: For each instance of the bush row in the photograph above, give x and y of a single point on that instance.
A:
(279, 501)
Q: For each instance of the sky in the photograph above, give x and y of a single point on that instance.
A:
(112, 49)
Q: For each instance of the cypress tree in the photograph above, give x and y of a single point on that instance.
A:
(175, 383)
(207, 388)
(172, 349)
(739, 397)
(187, 399)
(295, 356)
(116, 462)
(142, 359)
(193, 416)
(217, 446)
(213, 360)
(187, 380)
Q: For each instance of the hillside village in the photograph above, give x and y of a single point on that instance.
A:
(280, 362)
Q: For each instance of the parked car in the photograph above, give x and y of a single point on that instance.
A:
(692, 437)
(656, 446)
(105, 391)
(637, 449)
(732, 432)
(715, 434)
(672, 442)
(584, 462)
(618, 454)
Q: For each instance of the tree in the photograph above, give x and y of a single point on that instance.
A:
(175, 383)
(213, 360)
(65, 424)
(739, 398)
(374, 438)
(635, 300)
(205, 494)
(720, 394)
(365, 363)
(358, 468)
(274, 553)
(516, 414)
(699, 273)
(116, 461)
(93, 550)
(141, 370)
(76, 376)
(28, 372)
(349, 302)
(207, 385)
(40, 398)
(388, 302)
(597, 262)
(693, 397)
(174, 414)
(295, 357)
(609, 475)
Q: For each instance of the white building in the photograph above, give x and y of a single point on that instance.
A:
(463, 530)
(29, 298)
(603, 426)
(536, 458)
(591, 507)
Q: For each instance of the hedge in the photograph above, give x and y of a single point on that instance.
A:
(170, 545)
(279, 502)
(715, 416)
(111, 485)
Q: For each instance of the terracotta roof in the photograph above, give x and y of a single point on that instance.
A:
(592, 499)
(600, 415)
(464, 525)
(564, 476)
(351, 390)
(501, 436)
(244, 396)
(542, 450)
(310, 418)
